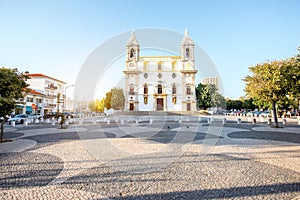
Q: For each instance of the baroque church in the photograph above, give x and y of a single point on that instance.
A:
(160, 83)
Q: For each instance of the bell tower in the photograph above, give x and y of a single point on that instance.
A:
(131, 73)
(132, 49)
(188, 73)
(187, 48)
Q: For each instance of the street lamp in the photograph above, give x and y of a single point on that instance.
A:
(65, 99)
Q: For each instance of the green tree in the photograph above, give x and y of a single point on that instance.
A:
(203, 96)
(248, 103)
(92, 106)
(268, 84)
(207, 96)
(292, 83)
(100, 105)
(107, 103)
(97, 105)
(12, 86)
(117, 99)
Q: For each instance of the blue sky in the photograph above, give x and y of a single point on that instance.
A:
(55, 37)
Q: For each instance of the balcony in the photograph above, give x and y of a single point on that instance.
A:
(51, 96)
(50, 105)
(51, 86)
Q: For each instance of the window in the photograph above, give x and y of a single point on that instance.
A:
(29, 99)
(131, 53)
(173, 89)
(131, 90)
(145, 89)
(159, 66)
(159, 89)
(174, 100)
(146, 100)
(187, 52)
(38, 100)
(188, 90)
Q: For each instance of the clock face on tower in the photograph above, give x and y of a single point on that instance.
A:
(131, 65)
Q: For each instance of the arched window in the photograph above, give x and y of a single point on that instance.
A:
(159, 89)
(188, 90)
(145, 100)
(173, 89)
(187, 52)
(131, 90)
(131, 53)
(145, 89)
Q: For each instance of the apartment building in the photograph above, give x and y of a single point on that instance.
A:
(46, 95)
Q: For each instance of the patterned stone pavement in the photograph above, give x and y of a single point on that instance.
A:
(167, 160)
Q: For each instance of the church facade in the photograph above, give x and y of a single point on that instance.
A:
(160, 83)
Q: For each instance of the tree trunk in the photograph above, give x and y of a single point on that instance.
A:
(1, 135)
(275, 114)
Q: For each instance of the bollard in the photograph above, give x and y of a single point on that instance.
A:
(108, 121)
(208, 120)
(53, 122)
(239, 120)
(151, 121)
(36, 121)
(249, 119)
(13, 123)
(122, 121)
(269, 121)
(42, 119)
(262, 119)
(137, 122)
(59, 120)
(199, 119)
(179, 121)
(94, 121)
(284, 121)
(224, 120)
(253, 121)
(80, 121)
(47, 121)
(25, 122)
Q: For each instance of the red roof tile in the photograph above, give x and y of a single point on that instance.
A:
(45, 76)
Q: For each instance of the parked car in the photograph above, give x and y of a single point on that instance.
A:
(265, 114)
(250, 114)
(18, 119)
(68, 115)
(257, 113)
(36, 116)
(49, 115)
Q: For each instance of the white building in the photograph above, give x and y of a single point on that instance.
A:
(48, 94)
(160, 83)
(212, 81)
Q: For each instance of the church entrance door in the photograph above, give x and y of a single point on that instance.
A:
(160, 104)
(188, 106)
(131, 106)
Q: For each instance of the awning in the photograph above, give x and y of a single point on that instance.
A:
(28, 109)
(19, 106)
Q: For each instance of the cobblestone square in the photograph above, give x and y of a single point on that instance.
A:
(151, 161)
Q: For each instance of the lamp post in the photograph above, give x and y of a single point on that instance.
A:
(65, 99)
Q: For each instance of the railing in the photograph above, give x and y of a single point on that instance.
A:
(51, 86)
(51, 96)
(50, 105)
